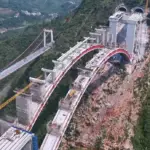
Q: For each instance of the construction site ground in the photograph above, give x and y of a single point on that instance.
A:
(106, 115)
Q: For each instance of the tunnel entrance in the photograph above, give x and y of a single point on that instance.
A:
(118, 59)
(122, 9)
(138, 10)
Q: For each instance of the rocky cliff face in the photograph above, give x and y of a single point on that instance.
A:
(107, 116)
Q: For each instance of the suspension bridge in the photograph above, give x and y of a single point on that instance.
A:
(125, 38)
(14, 66)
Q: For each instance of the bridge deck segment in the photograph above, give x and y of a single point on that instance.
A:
(59, 72)
(57, 128)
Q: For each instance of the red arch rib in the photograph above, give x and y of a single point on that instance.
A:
(90, 49)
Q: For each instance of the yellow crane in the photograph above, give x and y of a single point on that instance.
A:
(14, 97)
(71, 93)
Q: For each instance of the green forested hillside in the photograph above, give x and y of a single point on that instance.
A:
(15, 13)
(141, 140)
(89, 15)
(47, 6)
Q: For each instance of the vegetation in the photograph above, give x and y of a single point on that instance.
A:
(66, 35)
(46, 6)
(89, 15)
(141, 139)
(9, 8)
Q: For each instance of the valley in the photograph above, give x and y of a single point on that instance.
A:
(20, 14)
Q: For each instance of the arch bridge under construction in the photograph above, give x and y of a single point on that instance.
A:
(124, 41)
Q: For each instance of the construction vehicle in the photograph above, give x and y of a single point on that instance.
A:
(17, 132)
(71, 93)
(67, 102)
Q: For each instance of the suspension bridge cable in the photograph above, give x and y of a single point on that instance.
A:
(29, 85)
(21, 91)
(24, 51)
(40, 43)
(83, 23)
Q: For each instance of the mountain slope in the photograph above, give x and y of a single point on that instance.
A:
(47, 6)
(89, 15)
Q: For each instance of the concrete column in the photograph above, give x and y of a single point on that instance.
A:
(105, 37)
(52, 38)
(129, 68)
(98, 39)
(44, 39)
(130, 38)
(45, 75)
(46, 72)
(113, 29)
(58, 63)
(109, 38)
(96, 36)
(24, 108)
(36, 90)
(142, 40)
(51, 77)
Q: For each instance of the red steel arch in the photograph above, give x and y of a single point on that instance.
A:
(90, 49)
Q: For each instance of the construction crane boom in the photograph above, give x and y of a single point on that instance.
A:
(14, 97)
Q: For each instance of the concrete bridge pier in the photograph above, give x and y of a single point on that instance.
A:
(130, 39)
(113, 30)
(46, 72)
(58, 64)
(37, 89)
(45, 36)
(129, 68)
(24, 108)
(103, 32)
(97, 36)
(51, 77)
